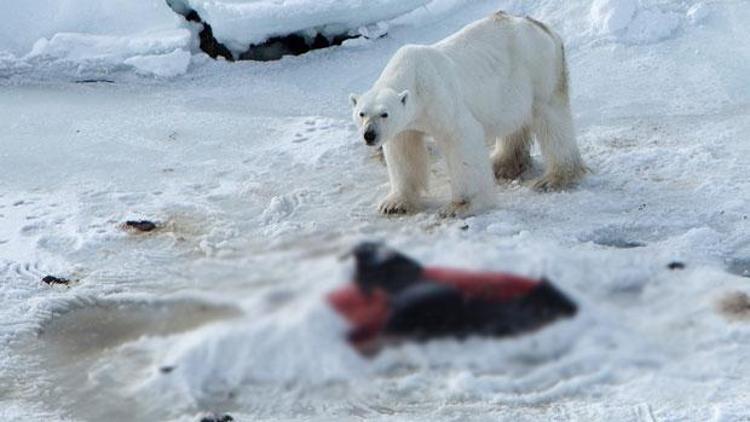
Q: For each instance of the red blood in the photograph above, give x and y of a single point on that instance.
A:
(493, 287)
(368, 314)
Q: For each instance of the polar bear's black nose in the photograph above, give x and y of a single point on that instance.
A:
(370, 136)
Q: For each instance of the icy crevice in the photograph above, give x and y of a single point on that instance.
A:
(207, 42)
(273, 48)
(265, 31)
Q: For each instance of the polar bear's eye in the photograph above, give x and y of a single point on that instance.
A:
(384, 115)
(361, 114)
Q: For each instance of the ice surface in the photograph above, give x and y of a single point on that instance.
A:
(160, 53)
(255, 175)
(101, 36)
(26, 22)
(88, 38)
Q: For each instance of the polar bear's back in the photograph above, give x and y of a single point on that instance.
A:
(502, 63)
(503, 41)
(498, 67)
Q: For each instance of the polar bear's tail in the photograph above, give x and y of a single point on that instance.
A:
(562, 80)
(553, 127)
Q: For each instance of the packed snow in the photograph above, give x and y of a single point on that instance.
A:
(237, 24)
(164, 65)
(89, 36)
(85, 37)
(258, 182)
(25, 23)
(610, 16)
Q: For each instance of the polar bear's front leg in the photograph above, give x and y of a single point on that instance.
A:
(471, 176)
(407, 161)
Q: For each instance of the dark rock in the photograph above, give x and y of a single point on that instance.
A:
(141, 225)
(619, 243)
(276, 47)
(95, 81)
(52, 280)
(217, 418)
(320, 41)
(676, 265)
(208, 43)
(166, 369)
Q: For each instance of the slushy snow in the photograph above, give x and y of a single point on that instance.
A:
(260, 185)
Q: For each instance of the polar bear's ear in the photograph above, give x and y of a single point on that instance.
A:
(353, 98)
(403, 96)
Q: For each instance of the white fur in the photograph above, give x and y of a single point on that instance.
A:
(500, 79)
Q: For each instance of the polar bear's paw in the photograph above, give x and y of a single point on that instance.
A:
(560, 179)
(455, 209)
(509, 169)
(395, 204)
(551, 183)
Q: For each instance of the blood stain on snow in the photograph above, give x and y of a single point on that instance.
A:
(735, 306)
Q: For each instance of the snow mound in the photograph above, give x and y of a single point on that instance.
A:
(60, 36)
(240, 23)
(629, 22)
(698, 13)
(83, 47)
(24, 23)
(610, 16)
(164, 65)
(652, 25)
(161, 53)
(143, 36)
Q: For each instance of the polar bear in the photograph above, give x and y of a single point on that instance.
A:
(501, 79)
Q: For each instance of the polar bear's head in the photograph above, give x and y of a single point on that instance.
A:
(380, 114)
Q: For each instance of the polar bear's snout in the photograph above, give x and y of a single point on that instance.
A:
(370, 135)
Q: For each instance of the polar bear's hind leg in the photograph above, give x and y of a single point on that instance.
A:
(512, 154)
(553, 126)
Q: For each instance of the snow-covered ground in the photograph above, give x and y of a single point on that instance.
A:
(241, 23)
(257, 177)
